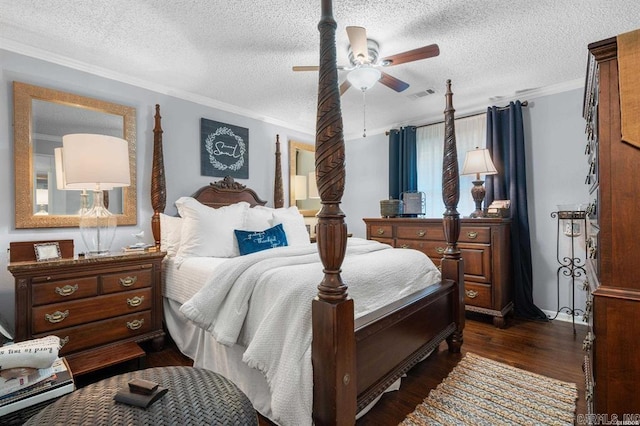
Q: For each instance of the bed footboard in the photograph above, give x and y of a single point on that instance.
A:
(393, 339)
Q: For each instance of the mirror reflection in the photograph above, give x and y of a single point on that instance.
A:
(51, 121)
(303, 191)
(41, 117)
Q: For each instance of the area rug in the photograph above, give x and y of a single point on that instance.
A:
(483, 392)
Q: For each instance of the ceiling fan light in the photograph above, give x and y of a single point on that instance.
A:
(364, 77)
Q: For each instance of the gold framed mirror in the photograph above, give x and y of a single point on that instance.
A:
(303, 191)
(41, 117)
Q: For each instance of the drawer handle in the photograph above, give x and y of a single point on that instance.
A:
(67, 290)
(128, 281)
(380, 231)
(405, 246)
(56, 317)
(439, 250)
(421, 233)
(64, 341)
(472, 235)
(135, 324)
(471, 294)
(136, 301)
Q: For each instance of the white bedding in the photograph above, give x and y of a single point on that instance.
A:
(277, 331)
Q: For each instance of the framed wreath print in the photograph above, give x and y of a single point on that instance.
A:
(47, 251)
(224, 150)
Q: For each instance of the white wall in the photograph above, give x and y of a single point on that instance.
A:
(556, 168)
(181, 125)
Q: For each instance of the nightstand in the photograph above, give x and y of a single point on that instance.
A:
(100, 307)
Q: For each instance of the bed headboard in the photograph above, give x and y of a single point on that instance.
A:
(227, 191)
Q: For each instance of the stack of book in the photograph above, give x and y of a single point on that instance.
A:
(137, 248)
(21, 387)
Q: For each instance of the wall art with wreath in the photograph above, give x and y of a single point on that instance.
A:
(224, 150)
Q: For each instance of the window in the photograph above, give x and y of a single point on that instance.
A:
(470, 133)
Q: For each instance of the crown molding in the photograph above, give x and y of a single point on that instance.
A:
(65, 61)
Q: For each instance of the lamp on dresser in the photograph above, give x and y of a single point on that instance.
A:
(95, 163)
(478, 161)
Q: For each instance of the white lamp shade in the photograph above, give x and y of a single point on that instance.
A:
(95, 161)
(42, 196)
(300, 183)
(313, 186)
(478, 161)
(364, 77)
(61, 181)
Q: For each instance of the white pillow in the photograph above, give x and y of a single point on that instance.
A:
(258, 218)
(207, 231)
(293, 223)
(170, 233)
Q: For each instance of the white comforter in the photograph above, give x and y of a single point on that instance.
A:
(263, 302)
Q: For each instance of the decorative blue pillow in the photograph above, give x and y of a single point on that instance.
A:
(253, 241)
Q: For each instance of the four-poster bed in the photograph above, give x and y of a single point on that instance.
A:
(354, 359)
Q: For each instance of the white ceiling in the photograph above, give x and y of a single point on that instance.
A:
(237, 55)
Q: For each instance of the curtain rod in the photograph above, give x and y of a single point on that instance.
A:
(523, 103)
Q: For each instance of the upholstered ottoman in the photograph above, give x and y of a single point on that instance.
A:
(195, 397)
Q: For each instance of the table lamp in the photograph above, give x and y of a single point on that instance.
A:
(478, 161)
(96, 163)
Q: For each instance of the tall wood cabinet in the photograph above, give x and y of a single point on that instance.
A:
(612, 363)
(484, 245)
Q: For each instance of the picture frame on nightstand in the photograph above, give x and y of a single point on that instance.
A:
(47, 251)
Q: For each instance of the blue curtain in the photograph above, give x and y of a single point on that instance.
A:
(505, 141)
(403, 163)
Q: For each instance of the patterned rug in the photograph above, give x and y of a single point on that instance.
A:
(483, 392)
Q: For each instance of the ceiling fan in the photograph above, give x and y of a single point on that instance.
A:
(364, 69)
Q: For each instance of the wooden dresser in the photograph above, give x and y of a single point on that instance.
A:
(612, 360)
(99, 307)
(485, 247)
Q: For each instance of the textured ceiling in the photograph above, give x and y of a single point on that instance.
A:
(237, 55)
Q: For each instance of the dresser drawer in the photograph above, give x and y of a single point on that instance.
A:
(475, 234)
(384, 240)
(380, 231)
(477, 262)
(59, 315)
(433, 249)
(101, 332)
(126, 280)
(477, 295)
(420, 232)
(63, 290)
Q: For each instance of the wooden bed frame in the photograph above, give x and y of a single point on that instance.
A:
(354, 361)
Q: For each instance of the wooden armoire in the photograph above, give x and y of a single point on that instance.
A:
(612, 358)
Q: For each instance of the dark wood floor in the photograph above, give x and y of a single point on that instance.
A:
(548, 348)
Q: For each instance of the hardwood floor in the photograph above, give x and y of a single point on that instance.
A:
(547, 348)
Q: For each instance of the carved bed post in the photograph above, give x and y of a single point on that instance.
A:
(158, 184)
(278, 193)
(333, 347)
(452, 264)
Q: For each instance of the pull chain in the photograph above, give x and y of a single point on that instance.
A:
(364, 114)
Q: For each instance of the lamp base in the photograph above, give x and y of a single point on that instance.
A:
(98, 228)
(478, 192)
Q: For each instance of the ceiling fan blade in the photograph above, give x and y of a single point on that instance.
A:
(393, 83)
(358, 41)
(306, 68)
(344, 86)
(412, 55)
